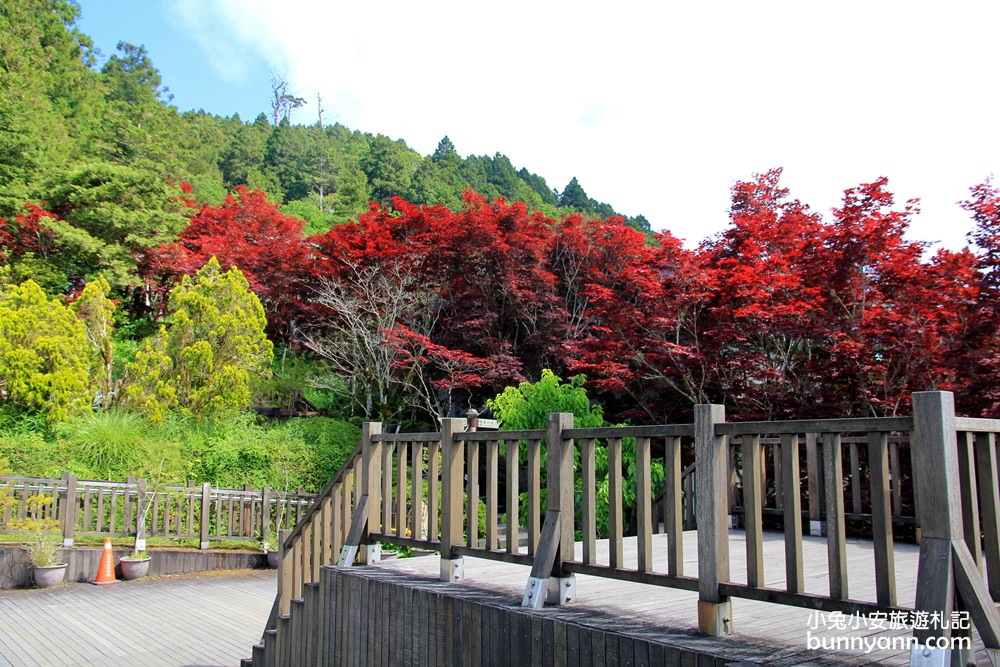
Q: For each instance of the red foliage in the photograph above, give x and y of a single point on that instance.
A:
(26, 233)
(781, 315)
(248, 232)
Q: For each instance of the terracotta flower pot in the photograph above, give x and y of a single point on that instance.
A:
(134, 569)
(49, 575)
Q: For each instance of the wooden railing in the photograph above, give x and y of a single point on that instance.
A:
(136, 508)
(422, 490)
(323, 532)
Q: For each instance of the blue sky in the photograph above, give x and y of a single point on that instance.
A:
(657, 108)
(180, 59)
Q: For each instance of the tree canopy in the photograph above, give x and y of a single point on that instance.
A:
(212, 356)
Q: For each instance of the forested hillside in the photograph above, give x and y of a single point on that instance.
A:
(89, 144)
(164, 272)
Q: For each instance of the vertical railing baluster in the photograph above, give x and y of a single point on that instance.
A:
(402, 456)
(326, 530)
(885, 568)
(433, 489)
(896, 479)
(752, 513)
(672, 506)
(643, 505)
(297, 567)
(794, 579)
(534, 493)
(284, 575)
(615, 527)
(589, 500)
(779, 476)
(305, 556)
(416, 489)
(337, 520)
(316, 557)
(814, 466)
(388, 449)
(472, 493)
(492, 501)
(836, 542)
(513, 519)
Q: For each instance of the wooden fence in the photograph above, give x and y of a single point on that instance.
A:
(423, 490)
(136, 508)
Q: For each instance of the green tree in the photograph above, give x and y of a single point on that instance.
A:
(132, 78)
(245, 153)
(43, 360)
(214, 356)
(503, 176)
(574, 196)
(538, 186)
(527, 406)
(96, 311)
(108, 216)
(50, 96)
(389, 167)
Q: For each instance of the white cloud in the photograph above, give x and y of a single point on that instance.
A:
(657, 108)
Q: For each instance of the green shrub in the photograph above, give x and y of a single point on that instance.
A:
(30, 454)
(330, 442)
(239, 451)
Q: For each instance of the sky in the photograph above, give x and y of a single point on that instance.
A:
(657, 108)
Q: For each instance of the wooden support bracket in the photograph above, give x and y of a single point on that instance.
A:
(359, 528)
(537, 589)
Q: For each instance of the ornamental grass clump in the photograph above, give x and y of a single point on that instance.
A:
(44, 540)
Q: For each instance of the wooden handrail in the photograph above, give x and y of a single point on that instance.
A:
(799, 426)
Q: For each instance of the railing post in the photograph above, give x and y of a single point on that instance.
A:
(559, 469)
(206, 509)
(452, 458)
(371, 483)
(68, 509)
(946, 571)
(140, 515)
(555, 544)
(711, 453)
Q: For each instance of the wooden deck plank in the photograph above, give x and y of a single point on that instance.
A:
(189, 619)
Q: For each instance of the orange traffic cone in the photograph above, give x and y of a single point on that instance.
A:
(106, 569)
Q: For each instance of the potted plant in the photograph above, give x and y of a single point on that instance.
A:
(44, 543)
(135, 565)
(270, 549)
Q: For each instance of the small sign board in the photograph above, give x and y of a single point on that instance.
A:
(490, 424)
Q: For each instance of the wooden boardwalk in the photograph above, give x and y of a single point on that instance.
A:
(195, 619)
(764, 633)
